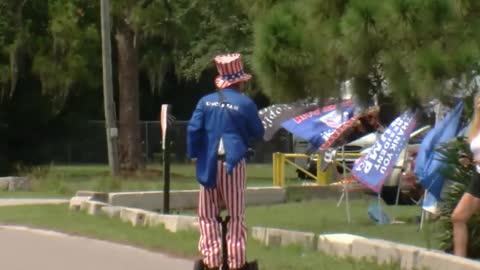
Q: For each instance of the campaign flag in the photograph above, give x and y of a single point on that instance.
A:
(428, 164)
(373, 168)
(273, 116)
(318, 125)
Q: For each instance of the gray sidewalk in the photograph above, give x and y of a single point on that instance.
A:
(31, 249)
(25, 249)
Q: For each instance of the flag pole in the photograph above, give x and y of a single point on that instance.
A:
(379, 202)
(423, 213)
(345, 186)
(397, 199)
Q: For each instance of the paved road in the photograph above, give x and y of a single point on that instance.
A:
(26, 249)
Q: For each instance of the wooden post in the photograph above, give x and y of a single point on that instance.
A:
(110, 117)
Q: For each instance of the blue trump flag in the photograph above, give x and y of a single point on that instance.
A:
(373, 168)
(428, 165)
(318, 126)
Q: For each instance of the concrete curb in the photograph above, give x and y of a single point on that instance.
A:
(94, 208)
(188, 199)
(441, 261)
(111, 211)
(279, 237)
(338, 245)
(357, 247)
(173, 223)
(77, 201)
(134, 216)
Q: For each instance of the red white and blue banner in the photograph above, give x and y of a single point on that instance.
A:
(273, 116)
(317, 126)
(373, 168)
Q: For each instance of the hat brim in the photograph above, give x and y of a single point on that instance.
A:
(221, 83)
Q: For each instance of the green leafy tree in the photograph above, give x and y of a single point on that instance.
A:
(13, 35)
(65, 50)
(210, 28)
(154, 36)
(411, 50)
(58, 41)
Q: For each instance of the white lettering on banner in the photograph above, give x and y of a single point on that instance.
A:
(222, 105)
(379, 157)
(395, 123)
(396, 140)
(386, 145)
(327, 134)
(364, 166)
(368, 166)
(393, 147)
(374, 150)
(299, 119)
(272, 113)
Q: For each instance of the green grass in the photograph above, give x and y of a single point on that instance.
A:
(183, 244)
(64, 181)
(323, 216)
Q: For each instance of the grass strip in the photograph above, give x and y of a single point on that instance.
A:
(184, 244)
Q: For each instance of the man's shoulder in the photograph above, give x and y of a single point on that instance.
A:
(231, 96)
(210, 97)
(240, 97)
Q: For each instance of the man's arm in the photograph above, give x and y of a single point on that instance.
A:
(195, 131)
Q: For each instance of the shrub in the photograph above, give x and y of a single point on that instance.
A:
(460, 178)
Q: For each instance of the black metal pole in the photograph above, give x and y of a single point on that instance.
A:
(166, 168)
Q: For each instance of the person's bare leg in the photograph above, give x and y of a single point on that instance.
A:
(466, 207)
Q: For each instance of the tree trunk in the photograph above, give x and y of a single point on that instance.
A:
(129, 128)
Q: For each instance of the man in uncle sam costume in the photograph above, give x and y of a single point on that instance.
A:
(217, 137)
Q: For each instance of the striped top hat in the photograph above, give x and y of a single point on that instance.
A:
(230, 70)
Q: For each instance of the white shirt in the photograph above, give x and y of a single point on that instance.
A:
(221, 149)
(475, 148)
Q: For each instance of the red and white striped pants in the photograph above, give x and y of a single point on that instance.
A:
(230, 191)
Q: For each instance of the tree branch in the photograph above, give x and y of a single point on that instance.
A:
(146, 3)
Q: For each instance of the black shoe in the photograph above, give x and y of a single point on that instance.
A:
(198, 265)
(250, 266)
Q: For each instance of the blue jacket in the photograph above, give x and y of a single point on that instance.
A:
(235, 120)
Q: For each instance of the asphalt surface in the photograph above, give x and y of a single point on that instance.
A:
(23, 248)
(30, 249)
